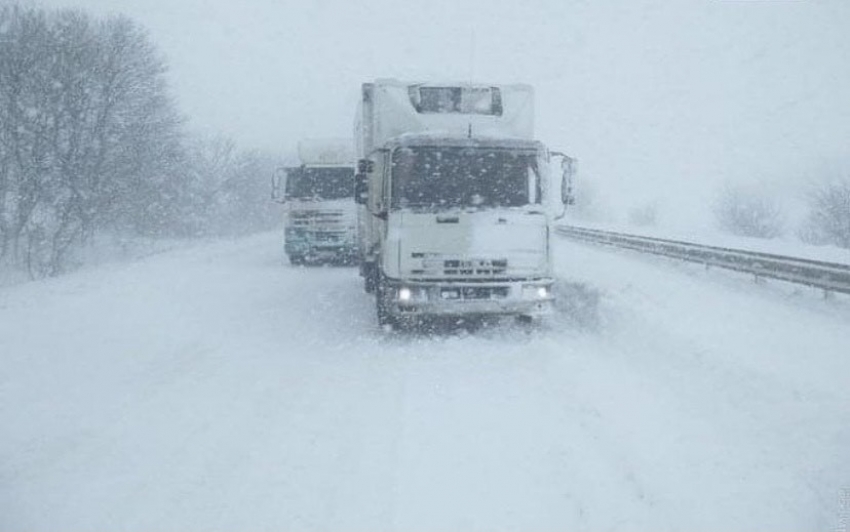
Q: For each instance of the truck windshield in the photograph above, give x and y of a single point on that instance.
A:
(440, 177)
(319, 183)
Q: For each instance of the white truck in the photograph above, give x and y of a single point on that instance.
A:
(320, 215)
(456, 201)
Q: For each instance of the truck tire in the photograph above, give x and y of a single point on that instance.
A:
(369, 280)
(296, 260)
(385, 319)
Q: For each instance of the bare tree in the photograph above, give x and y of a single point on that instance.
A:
(229, 189)
(748, 212)
(90, 141)
(246, 194)
(828, 219)
(86, 119)
(24, 121)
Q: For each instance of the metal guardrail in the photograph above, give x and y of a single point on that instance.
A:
(829, 276)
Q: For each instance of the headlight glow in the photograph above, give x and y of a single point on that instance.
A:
(404, 294)
(534, 292)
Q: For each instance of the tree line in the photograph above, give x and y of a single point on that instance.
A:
(92, 143)
(752, 212)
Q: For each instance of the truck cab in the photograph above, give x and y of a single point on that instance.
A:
(320, 213)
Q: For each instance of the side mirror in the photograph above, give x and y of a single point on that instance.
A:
(278, 185)
(567, 197)
(361, 190)
(569, 168)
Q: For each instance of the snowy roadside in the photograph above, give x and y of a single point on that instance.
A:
(107, 250)
(787, 245)
(760, 369)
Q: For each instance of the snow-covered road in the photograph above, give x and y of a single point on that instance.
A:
(215, 388)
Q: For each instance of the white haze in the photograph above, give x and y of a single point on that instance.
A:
(662, 101)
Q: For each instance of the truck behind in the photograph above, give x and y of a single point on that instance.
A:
(320, 213)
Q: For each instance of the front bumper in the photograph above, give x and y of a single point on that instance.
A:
(319, 244)
(458, 298)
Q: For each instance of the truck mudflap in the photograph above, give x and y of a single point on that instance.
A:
(443, 298)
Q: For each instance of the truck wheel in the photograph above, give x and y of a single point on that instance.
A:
(369, 281)
(296, 260)
(384, 317)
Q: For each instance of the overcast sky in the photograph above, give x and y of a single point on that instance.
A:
(661, 100)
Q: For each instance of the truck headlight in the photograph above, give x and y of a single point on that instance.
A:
(535, 292)
(406, 294)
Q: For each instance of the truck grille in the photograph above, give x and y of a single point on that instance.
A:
(467, 293)
(466, 268)
(326, 220)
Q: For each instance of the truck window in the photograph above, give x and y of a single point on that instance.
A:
(320, 183)
(463, 100)
(438, 177)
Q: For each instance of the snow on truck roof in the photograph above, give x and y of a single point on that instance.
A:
(390, 108)
(329, 152)
(451, 83)
(448, 139)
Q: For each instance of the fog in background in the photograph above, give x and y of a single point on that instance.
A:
(661, 101)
